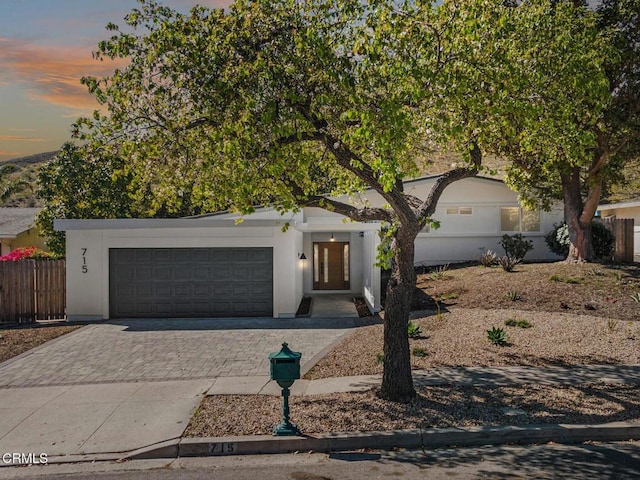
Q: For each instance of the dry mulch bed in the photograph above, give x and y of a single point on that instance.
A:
(434, 407)
(15, 340)
(579, 314)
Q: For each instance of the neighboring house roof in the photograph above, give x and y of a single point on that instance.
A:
(14, 221)
(615, 206)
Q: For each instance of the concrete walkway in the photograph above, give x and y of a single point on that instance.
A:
(478, 376)
(333, 305)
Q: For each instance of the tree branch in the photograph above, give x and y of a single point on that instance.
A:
(428, 207)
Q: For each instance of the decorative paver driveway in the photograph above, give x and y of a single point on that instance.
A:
(150, 350)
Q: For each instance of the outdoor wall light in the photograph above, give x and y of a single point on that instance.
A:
(302, 256)
(332, 239)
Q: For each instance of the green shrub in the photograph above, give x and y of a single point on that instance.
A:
(602, 239)
(520, 323)
(508, 263)
(513, 296)
(419, 352)
(414, 330)
(497, 336)
(487, 259)
(515, 246)
(380, 357)
(523, 324)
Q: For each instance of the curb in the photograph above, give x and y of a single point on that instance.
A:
(412, 439)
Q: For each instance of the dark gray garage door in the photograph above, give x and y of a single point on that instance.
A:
(190, 282)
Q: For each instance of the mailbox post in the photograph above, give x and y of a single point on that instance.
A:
(285, 369)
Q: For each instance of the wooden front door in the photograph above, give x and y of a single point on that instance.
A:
(331, 266)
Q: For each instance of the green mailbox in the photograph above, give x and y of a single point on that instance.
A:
(285, 366)
(285, 369)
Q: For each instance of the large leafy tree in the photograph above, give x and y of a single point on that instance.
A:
(77, 183)
(568, 119)
(289, 103)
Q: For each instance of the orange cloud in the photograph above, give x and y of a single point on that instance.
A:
(18, 138)
(52, 73)
(8, 154)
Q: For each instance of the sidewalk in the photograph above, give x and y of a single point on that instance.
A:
(468, 376)
(153, 410)
(416, 438)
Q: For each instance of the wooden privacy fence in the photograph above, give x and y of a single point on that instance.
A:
(32, 290)
(622, 229)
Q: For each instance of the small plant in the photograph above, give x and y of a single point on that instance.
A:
(440, 272)
(380, 358)
(511, 322)
(414, 330)
(508, 263)
(513, 296)
(617, 276)
(596, 272)
(448, 296)
(612, 324)
(635, 297)
(560, 278)
(523, 324)
(488, 259)
(497, 336)
(515, 246)
(419, 352)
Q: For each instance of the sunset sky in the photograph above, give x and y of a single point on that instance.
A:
(45, 48)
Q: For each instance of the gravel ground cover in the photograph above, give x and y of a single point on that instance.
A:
(15, 340)
(575, 315)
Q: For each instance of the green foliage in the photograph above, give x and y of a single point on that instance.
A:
(603, 240)
(515, 246)
(562, 279)
(414, 330)
(419, 352)
(635, 297)
(507, 263)
(513, 295)
(488, 259)
(520, 323)
(497, 336)
(440, 272)
(380, 358)
(78, 184)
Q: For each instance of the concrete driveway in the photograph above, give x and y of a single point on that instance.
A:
(121, 385)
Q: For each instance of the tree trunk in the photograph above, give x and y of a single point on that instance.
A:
(578, 219)
(397, 381)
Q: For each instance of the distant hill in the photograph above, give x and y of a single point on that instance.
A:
(22, 171)
(25, 169)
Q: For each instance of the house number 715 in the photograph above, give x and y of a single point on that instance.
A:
(84, 261)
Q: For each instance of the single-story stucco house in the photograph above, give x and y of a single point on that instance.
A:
(17, 229)
(213, 266)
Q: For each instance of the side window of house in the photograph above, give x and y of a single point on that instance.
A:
(515, 219)
(459, 211)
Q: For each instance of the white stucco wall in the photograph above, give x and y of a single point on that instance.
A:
(88, 288)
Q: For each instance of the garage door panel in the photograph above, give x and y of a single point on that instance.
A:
(191, 282)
